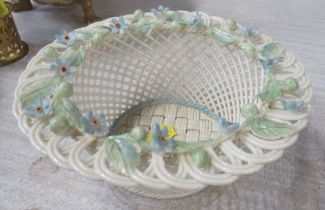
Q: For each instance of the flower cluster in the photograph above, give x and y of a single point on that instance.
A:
(66, 38)
(63, 69)
(197, 21)
(270, 56)
(95, 124)
(160, 140)
(252, 31)
(118, 26)
(39, 108)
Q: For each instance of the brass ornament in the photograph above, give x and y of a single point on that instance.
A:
(20, 5)
(12, 48)
(55, 2)
(87, 6)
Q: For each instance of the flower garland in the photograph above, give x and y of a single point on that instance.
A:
(49, 98)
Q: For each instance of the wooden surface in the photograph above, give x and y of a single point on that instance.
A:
(29, 180)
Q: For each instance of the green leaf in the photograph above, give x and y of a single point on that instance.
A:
(272, 91)
(65, 107)
(123, 153)
(100, 35)
(272, 50)
(96, 35)
(84, 35)
(145, 26)
(64, 90)
(60, 126)
(231, 25)
(75, 53)
(41, 88)
(138, 14)
(181, 18)
(250, 49)
(81, 55)
(268, 129)
(223, 37)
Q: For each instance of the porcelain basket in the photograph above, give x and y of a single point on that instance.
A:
(163, 103)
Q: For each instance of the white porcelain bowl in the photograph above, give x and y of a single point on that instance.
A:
(121, 72)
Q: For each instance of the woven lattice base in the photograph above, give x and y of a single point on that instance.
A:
(190, 124)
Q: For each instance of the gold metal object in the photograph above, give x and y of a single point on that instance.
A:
(56, 2)
(12, 48)
(3, 9)
(20, 5)
(87, 6)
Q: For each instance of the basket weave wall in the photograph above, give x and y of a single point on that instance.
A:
(117, 75)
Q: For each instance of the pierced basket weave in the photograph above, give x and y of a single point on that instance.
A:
(120, 73)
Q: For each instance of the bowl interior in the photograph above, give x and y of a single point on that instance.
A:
(120, 73)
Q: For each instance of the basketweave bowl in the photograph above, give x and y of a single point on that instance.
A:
(187, 101)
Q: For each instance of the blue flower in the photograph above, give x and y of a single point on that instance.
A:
(197, 21)
(228, 128)
(66, 38)
(162, 10)
(95, 124)
(39, 108)
(292, 105)
(252, 31)
(160, 142)
(118, 26)
(63, 69)
(268, 63)
(270, 55)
